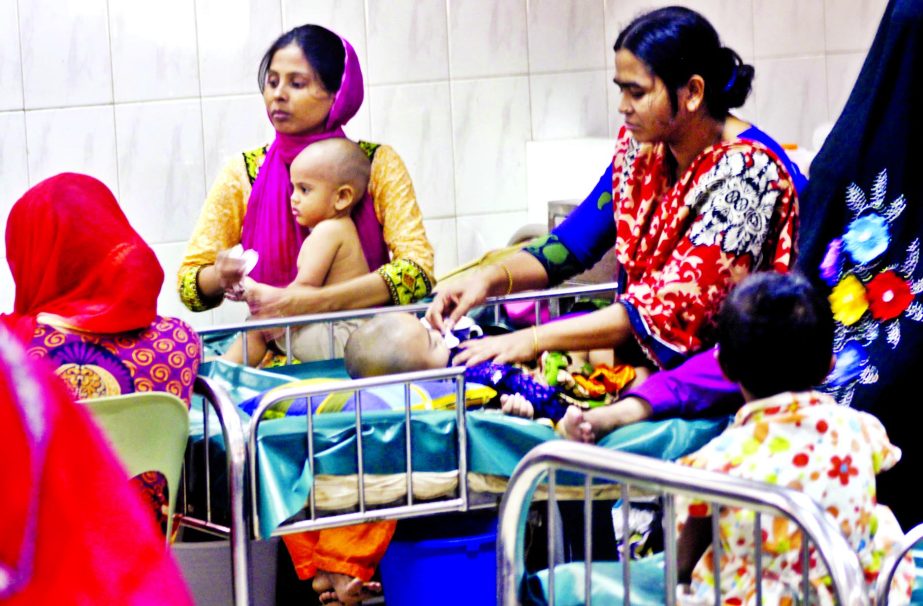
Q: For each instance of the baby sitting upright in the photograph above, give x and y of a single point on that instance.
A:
(328, 179)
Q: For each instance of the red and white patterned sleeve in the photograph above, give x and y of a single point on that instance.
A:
(736, 214)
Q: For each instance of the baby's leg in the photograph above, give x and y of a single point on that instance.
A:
(256, 348)
(590, 425)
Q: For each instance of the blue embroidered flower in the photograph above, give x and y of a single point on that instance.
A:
(867, 238)
(849, 363)
(832, 263)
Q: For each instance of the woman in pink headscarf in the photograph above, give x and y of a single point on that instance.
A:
(312, 85)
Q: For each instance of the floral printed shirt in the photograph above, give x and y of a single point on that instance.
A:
(830, 452)
(682, 245)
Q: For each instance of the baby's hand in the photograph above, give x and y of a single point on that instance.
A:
(238, 292)
(517, 406)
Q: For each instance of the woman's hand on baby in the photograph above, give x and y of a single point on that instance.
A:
(264, 300)
(454, 301)
(505, 349)
(274, 302)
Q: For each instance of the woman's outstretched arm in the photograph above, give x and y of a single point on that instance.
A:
(606, 328)
(519, 272)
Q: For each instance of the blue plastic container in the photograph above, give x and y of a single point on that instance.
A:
(449, 570)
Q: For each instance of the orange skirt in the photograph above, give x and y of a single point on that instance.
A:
(350, 550)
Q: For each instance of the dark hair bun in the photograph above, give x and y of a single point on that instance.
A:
(739, 79)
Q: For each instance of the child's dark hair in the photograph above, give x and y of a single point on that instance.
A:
(775, 334)
(322, 48)
(677, 43)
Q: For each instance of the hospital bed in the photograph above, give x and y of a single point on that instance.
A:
(287, 474)
(652, 580)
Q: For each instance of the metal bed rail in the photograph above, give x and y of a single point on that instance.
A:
(241, 459)
(669, 480)
(891, 563)
(410, 508)
(216, 398)
(355, 314)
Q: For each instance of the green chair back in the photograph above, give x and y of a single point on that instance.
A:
(148, 431)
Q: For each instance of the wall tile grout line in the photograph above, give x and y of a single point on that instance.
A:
(22, 90)
(115, 129)
(452, 145)
(198, 61)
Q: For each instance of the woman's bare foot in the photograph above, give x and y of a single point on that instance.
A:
(574, 426)
(342, 589)
(516, 405)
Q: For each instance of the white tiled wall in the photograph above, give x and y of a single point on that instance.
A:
(152, 97)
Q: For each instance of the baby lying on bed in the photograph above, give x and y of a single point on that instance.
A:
(400, 342)
(329, 177)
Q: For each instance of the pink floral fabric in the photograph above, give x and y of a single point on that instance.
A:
(830, 452)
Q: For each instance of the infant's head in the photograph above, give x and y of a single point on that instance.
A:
(328, 178)
(394, 343)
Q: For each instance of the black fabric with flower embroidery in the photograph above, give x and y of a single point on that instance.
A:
(869, 297)
(862, 222)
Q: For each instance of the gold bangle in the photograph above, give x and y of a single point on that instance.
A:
(534, 342)
(509, 278)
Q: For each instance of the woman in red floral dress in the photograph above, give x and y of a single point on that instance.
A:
(700, 199)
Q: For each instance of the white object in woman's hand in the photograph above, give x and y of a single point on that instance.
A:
(232, 265)
(230, 269)
(455, 300)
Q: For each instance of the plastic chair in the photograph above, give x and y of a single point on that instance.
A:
(148, 431)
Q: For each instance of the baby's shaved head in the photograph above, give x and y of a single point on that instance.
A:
(392, 343)
(337, 160)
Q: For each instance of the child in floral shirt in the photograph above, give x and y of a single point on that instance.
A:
(775, 337)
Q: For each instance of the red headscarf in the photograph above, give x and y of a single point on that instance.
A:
(73, 254)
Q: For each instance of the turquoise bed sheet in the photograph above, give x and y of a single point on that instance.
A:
(496, 442)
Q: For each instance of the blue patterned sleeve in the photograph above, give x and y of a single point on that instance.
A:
(582, 239)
